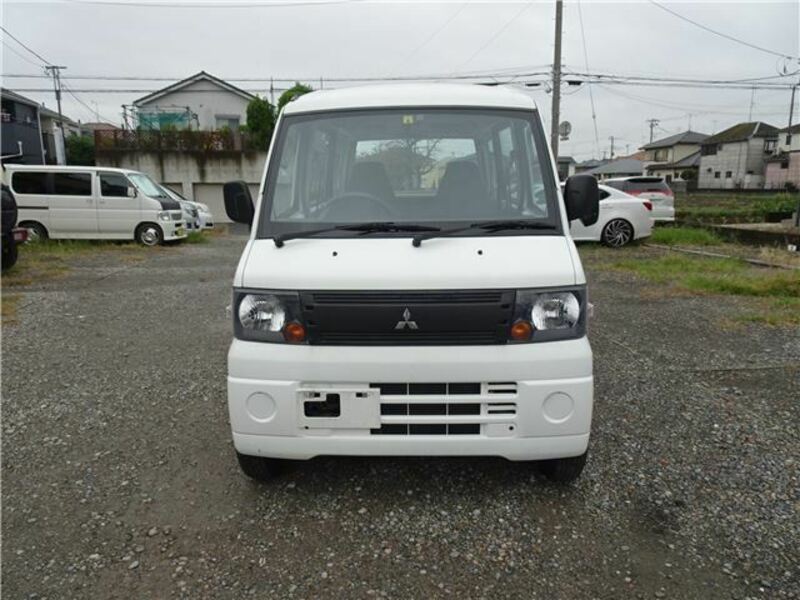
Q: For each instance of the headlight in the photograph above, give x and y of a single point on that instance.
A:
(268, 317)
(541, 316)
(163, 216)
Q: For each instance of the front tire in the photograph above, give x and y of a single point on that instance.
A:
(149, 234)
(563, 470)
(259, 467)
(617, 233)
(36, 232)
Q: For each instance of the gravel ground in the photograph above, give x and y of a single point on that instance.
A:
(119, 479)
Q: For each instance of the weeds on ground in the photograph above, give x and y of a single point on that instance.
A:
(778, 291)
(687, 236)
(196, 237)
(8, 307)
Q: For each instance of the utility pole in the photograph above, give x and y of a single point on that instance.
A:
(55, 72)
(791, 116)
(555, 112)
(653, 124)
(752, 100)
(612, 147)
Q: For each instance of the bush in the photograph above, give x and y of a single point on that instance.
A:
(79, 150)
(260, 121)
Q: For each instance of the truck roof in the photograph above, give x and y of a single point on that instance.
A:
(60, 168)
(411, 95)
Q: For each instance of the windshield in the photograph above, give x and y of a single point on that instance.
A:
(437, 167)
(147, 186)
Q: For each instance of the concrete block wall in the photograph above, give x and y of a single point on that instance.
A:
(197, 176)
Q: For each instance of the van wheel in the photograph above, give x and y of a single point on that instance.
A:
(149, 234)
(617, 233)
(563, 470)
(36, 232)
(261, 468)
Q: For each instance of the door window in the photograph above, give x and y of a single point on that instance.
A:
(27, 182)
(72, 184)
(114, 185)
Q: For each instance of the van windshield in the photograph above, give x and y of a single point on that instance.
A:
(437, 167)
(147, 186)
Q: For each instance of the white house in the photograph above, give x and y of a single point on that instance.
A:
(672, 156)
(201, 101)
(783, 167)
(735, 158)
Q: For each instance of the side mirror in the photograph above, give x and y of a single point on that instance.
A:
(582, 198)
(238, 202)
(131, 192)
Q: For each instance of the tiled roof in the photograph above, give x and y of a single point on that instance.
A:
(741, 132)
(687, 137)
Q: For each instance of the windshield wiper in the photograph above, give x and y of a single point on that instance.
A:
(491, 226)
(364, 228)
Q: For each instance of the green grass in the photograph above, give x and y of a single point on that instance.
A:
(196, 237)
(687, 236)
(777, 290)
(732, 207)
(67, 247)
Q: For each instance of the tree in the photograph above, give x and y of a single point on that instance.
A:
(260, 120)
(297, 90)
(79, 150)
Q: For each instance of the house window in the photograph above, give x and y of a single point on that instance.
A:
(716, 174)
(728, 174)
(709, 150)
(229, 121)
(769, 146)
(662, 155)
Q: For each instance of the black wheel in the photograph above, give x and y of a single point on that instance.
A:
(261, 468)
(36, 231)
(617, 233)
(563, 470)
(10, 253)
(149, 234)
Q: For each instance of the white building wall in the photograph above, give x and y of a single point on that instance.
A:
(196, 176)
(744, 160)
(204, 98)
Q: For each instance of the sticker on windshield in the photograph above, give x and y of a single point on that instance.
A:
(408, 119)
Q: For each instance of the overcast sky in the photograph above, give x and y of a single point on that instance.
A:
(247, 39)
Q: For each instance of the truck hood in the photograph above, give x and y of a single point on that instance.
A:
(394, 264)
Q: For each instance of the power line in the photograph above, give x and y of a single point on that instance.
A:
(225, 5)
(22, 56)
(591, 93)
(91, 110)
(36, 54)
(497, 34)
(719, 33)
(435, 33)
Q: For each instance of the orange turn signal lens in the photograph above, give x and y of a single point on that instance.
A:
(521, 331)
(294, 332)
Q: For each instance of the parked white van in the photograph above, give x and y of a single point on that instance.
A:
(410, 287)
(93, 203)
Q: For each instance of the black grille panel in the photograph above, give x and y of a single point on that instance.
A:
(403, 318)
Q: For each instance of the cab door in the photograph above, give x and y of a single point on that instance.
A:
(73, 211)
(118, 205)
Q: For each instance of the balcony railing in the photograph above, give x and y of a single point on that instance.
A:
(121, 140)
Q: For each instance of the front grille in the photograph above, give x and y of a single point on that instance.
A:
(407, 318)
(442, 408)
(177, 216)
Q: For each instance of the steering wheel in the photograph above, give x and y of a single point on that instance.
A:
(356, 206)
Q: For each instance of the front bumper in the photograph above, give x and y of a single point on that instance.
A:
(173, 230)
(533, 401)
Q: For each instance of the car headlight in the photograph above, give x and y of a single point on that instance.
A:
(268, 317)
(164, 216)
(541, 316)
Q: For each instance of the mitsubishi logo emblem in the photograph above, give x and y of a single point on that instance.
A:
(406, 321)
